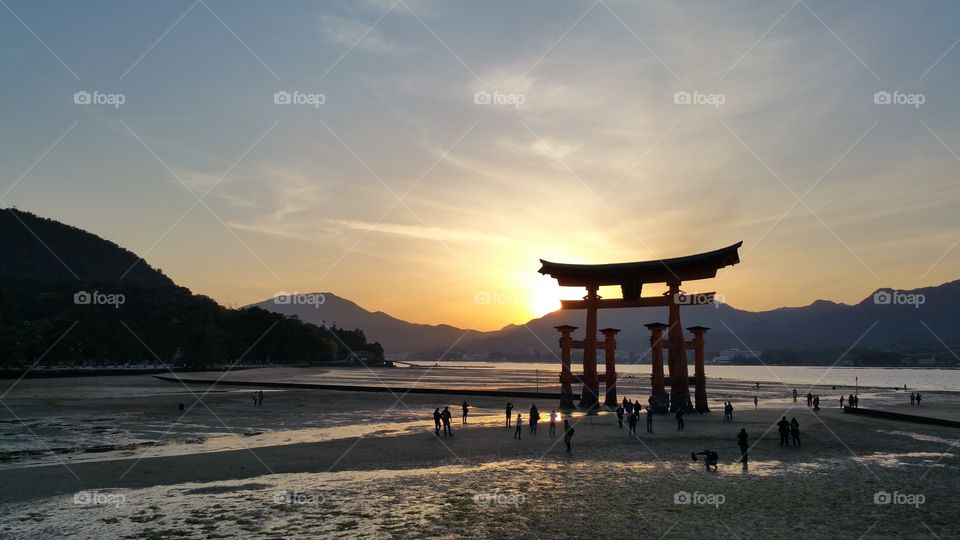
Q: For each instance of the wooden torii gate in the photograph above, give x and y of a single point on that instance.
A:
(631, 277)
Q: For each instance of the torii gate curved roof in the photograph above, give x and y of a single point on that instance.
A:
(678, 269)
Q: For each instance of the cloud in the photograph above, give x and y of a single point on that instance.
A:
(422, 232)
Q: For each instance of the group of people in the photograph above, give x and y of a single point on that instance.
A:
(852, 401)
(813, 401)
(789, 430)
(727, 411)
(443, 419)
(915, 398)
(258, 398)
(534, 419)
(633, 410)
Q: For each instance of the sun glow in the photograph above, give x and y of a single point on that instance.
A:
(546, 296)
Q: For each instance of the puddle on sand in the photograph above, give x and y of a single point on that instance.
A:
(920, 437)
(899, 459)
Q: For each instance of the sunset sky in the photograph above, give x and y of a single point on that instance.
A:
(406, 191)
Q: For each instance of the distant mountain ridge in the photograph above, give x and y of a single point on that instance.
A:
(821, 325)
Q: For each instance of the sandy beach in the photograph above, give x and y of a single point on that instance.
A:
(325, 463)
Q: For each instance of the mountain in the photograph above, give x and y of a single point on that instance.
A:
(823, 328)
(396, 335)
(69, 297)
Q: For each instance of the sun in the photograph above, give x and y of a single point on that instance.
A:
(546, 296)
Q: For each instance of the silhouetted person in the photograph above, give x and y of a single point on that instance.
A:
(620, 416)
(809, 399)
(509, 411)
(629, 406)
(794, 395)
(756, 403)
(553, 423)
(649, 419)
(516, 434)
(918, 399)
(710, 458)
(567, 434)
(913, 398)
(841, 401)
(856, 401)
(260, 398)
(534, 418)
(742, 443)
(816, 403)
(632, 422)
(466, 409)
(784, 428)
(436, 421)
(445, 416)
(795, 432)
(679, 417)
(254, 399)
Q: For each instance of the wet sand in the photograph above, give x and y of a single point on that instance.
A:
(357, 464)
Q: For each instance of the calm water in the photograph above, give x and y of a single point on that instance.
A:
(915, 379)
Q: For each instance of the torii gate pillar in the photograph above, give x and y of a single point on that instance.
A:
(566, 376)
(658, 394)
(610, 361)
(677, 353)
(591, 385)
(699, 374)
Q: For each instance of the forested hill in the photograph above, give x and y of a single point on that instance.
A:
(71, 297)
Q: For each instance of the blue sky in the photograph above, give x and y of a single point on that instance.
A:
(403, 193)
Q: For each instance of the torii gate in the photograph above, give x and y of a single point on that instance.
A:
(631, 277)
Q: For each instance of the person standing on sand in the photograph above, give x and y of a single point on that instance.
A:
(567, 434)
(756, 403)
(436, 421)
(534, 418)
(519, 431)
(553, 423)
(509, 412)
(918, 399)
(260, 398)
(632, 422)
(649, 419)
(841, 401)
(742, 443)
(254, 399)
(794, 395)
(679, 417)
(913, 398)
(784, 428)
(795, 432)
(466, 409)
(620, 416)
(628, 408)
(445, 416)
